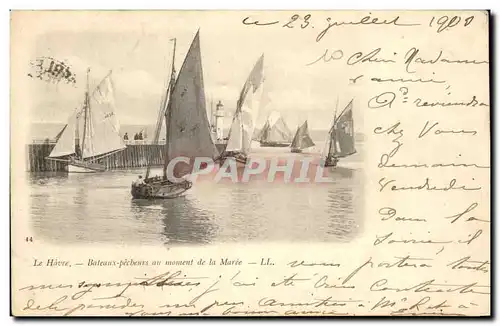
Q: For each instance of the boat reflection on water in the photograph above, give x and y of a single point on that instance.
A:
(341, 205)
(345, 200)
(260, 211)
(98, 208)
(181, 220)
(43, 178)
(340, 172)
(54, 192)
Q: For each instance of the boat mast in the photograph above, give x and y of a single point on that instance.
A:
(332, 131)
(212, 124)
(87, 107)
(168, 113)
(352, 124)
(77, 133)
(159, 121)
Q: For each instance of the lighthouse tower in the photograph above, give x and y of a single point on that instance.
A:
(219, 121)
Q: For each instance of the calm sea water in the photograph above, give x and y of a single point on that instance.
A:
(98, 208)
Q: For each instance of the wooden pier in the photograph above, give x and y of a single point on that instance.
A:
(135, 155)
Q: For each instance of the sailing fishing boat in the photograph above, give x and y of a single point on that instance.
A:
(187, 129)
(275, 132)
(92, 131)
(341, 141)
(247, 110)
(302, 140)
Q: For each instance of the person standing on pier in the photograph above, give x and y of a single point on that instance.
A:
(125, 137)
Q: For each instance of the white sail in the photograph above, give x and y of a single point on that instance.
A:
(66, 142)
(102, 136)
(247, 112)
(104, 96)
(94, 127)
(250, 113)
(235, 141)
(275, 129)
(273, 117)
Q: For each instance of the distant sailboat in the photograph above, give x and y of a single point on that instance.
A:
(92, 131)
(187, 128)
(302, 140)
(247, 111)
(341, 141)
(275, 132)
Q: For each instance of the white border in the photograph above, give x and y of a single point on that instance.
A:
(184, 4)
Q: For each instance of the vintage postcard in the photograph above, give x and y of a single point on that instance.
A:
(250, 163)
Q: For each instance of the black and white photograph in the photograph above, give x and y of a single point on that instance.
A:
(276, 149)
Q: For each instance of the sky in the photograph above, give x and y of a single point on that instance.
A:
(137, 47)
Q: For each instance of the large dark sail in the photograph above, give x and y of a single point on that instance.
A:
(188, 130)
(302, 139)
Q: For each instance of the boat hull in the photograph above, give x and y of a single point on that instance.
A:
(241, 159)
(239, 163)
(274, 144)
(160, 189)
(296, 150)
(84, 167)
(331, 162)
